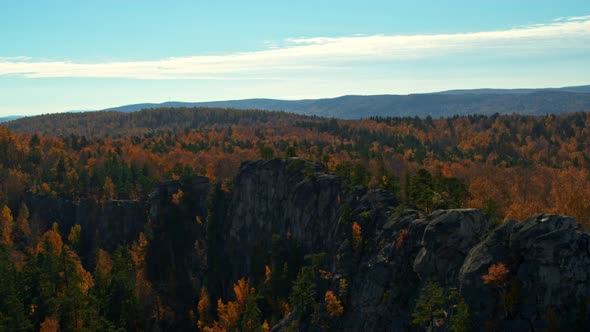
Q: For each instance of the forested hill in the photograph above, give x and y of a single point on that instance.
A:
(445, 104)
(146, 121)
(513, 166)
(163, 220)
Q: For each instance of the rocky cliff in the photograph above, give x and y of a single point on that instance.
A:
(547, 256)
(294, 207)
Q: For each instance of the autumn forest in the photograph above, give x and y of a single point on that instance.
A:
(508, 166)
(512, 165)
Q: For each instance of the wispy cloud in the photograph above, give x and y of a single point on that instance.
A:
(308, 54)
(15, 58)
(572, 18)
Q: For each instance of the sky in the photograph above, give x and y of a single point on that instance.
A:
(62, 55)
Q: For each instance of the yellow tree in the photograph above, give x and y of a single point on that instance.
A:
(267, 275)
(333, 305)
(498, 276)
(22, 229)
(203, 308)
(108, 189)
(357, 236)
(6, 224)
(49, 325)
(242, 290)
(74, 236)
(571, 195)
(230, 314)
(51, 242)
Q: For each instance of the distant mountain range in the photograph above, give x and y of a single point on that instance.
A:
(440, 104)
(578, 89)
(9, 118)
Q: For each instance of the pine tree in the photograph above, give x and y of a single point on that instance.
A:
(460, 321)
(252, 315)
(429, 307)
(12, 294)
(437, 307)
(303, 293)
(421, 190)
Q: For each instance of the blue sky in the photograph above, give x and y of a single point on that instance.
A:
(71, 55)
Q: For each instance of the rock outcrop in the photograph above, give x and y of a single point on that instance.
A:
(547, 256)
(275, 197)
(295, 204)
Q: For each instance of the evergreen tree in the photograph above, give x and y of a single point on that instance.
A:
(122, 302)
(12, 309)
(421, 190)
(460, 321)
(252, 315)
(302, 297)
(437, 307)
(429, 307)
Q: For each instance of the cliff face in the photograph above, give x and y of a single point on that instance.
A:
(547, 256)
(294, 205)
(104, 224)
(276, 198)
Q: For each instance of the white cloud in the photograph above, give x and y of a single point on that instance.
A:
(572, 18)
(310, 54)
(15, 58)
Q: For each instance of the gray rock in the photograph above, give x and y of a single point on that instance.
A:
(548, 260)
(447, 239)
